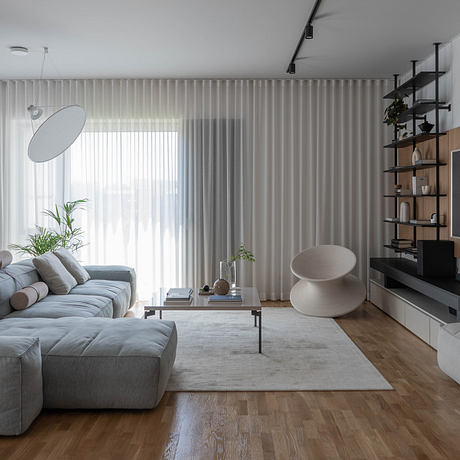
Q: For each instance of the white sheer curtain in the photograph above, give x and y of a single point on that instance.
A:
(179, 173)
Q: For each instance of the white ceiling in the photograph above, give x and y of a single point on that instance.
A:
(220, 39)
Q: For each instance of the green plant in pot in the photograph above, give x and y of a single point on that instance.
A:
(229, 265)
(64, 235)
(393, 111)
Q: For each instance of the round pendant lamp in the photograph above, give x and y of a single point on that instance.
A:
(57, 133)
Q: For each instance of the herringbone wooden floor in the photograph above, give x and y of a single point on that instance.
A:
(420, 419)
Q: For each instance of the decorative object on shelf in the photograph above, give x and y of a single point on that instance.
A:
(221, 287)
(434, 219)
(428, 161)
(394, 110)
(426, 189)
(426, 127)
(397, 188)
(417, 183)
(65, 236)
(326, 288)
(416, 155)
(404, 212)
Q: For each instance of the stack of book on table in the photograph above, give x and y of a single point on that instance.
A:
(179, 296)
(401, 243)
(225, 298)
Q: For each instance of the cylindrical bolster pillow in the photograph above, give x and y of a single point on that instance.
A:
(26, 297)
(5, 258)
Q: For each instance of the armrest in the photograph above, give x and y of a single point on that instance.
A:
(114, 273)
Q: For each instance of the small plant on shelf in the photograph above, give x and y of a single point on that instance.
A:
(393, 111)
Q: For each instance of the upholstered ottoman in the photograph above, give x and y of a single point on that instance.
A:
(101, 363)
(449, 350)
(21, 396)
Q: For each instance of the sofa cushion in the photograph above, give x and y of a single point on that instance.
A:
(57, 306)
(21, 395)
(54, 274)
(101, 363)
(119, 292)
(12, 278)
(72, 265)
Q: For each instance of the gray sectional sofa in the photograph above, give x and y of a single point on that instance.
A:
(91, 357)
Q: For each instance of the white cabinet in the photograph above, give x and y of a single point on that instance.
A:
(412, 311)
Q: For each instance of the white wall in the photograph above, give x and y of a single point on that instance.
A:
(449, 88)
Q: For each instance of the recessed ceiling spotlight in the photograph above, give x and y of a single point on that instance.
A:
(19, 50)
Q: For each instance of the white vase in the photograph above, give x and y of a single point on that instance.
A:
(416, 155)
(404, 212)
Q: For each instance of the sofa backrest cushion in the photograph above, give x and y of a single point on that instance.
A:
(54, 274)
(72, 265)
(12, 278)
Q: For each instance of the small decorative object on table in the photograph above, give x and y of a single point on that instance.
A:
(206, 290)
(221, 287)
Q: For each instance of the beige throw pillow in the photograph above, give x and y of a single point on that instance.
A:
(72, 265)
(54, 274)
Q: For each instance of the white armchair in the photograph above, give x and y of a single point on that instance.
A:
(326, 287)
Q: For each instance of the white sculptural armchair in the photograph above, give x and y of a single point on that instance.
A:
(326, 287)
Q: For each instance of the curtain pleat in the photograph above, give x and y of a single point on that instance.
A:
(180, 172)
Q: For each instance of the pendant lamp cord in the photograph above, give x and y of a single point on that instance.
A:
(42, 70)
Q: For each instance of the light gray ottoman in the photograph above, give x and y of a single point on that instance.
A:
(449, 350)
(21, 396)
(101, 363)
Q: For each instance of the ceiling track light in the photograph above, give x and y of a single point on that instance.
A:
(307, 34)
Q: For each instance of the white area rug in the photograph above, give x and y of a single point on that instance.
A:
(218, 351)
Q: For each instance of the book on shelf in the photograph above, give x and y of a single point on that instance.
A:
(225, 298)
(418, 221)
(425, 162)
(391, 219)
(417, 183)
(401, 243)
(179, 294)
(178, 301)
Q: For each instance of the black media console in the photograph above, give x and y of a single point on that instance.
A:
(400, 272)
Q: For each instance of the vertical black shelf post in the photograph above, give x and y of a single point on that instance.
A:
(436, 70)
(414, 144)
(395, 76)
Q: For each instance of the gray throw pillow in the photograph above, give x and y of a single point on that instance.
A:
(72, 265)
(54, 274)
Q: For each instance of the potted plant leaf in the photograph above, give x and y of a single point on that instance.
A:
(392, 113)
(64, 235)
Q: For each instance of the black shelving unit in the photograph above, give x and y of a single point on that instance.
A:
(414, 113)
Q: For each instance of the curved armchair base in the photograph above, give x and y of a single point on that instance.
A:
(328, 298)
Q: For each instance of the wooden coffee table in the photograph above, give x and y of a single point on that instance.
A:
(250, 302)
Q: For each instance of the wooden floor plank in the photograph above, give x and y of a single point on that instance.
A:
(420, 419)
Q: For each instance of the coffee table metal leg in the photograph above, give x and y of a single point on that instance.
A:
(260, 331)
